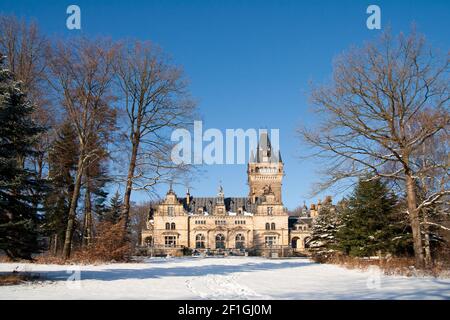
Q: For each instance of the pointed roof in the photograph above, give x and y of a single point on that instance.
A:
(220, 194)
(264, 151)
(170, 189)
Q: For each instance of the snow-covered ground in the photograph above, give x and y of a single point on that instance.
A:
(219, 278)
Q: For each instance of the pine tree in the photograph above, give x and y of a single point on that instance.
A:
(20, 189)
(323, 235)
(112, 213)
(371, 222)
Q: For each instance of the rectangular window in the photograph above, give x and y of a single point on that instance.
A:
(170, 241)
(271, 241)
(170, 211)
(220, 222)
(269, 211)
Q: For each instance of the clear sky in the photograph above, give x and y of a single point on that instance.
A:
(249, 62)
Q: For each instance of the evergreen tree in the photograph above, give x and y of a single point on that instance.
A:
(371, 222)
(20, 188)
(323, 235)
(63, 158)
(112, 213)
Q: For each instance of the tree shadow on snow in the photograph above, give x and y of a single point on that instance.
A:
(152, 271)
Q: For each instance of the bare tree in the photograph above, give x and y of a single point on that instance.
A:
(156, 101)
(432, 180)
(370, 113)
(95, 179)
(25, 49)
(139, 214)
(81, 74)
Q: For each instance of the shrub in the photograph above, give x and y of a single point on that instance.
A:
(108, 245)
(15, 278)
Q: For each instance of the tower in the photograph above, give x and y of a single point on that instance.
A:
(219, 208)
(265, 170)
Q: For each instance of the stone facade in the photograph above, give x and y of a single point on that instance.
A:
(257, 224)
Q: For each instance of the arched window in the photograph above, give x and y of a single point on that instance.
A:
(267, 226)
(294, 242)
(172, 226)
(220, 241)
(167, 226)
(240, 241)
(200, 241)
(273, 226)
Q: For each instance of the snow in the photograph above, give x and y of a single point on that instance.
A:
(219, 278)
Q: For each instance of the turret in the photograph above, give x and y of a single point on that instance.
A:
(220, 203)
(188, 196)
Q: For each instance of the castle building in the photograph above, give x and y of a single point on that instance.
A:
(258, 224)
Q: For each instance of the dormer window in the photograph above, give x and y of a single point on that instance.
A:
(170, 211)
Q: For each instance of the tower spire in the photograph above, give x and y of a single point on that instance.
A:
(263, 168)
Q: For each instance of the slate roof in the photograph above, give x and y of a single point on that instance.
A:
(232, 204)
(301, 220)
(264, 144)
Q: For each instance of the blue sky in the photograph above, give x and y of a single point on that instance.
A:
(249, 62)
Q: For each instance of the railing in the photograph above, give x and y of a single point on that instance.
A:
(162, 247)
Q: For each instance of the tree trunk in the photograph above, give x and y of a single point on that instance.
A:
(55, 245)
(427, 245)
(414, 220)
(428, 259)
(129, 186)
(87, 224)
(73, 208)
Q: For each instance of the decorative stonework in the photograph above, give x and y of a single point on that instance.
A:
(256, 223)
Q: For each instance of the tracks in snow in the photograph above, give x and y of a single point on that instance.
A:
(221, 287)
(217, 286)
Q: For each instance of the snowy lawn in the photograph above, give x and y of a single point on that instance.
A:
(219, 278)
